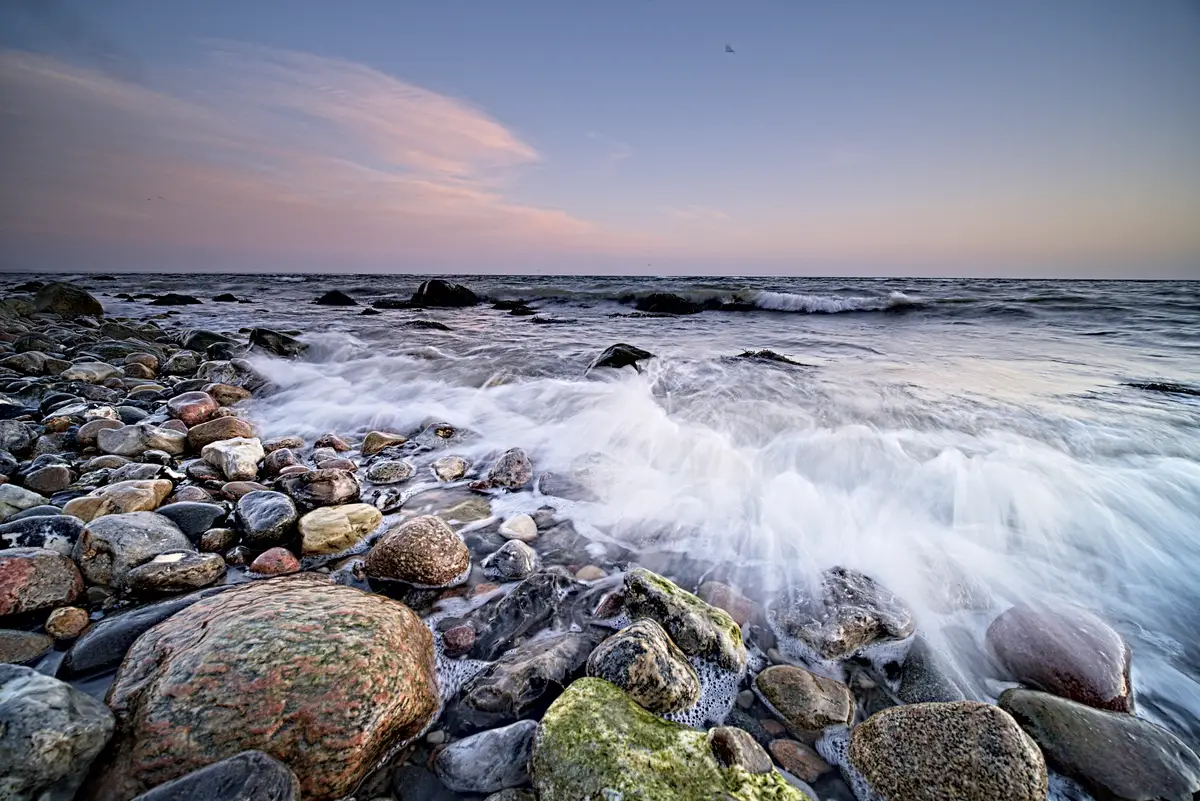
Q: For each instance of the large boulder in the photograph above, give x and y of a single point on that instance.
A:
(596, 742)
(67, 301)
(1112, 754)
(423, 551)
(249, 776)
(489, 761)
(963, 750)
(120, 498)
(642, 661)
(436, 292)
(267, 518)
(335, 297)
(697, 628)
(806, 702)
(322, 677)
(49, 734)
(33, 579)
(276, 343)
(1066, 652)
(333, 529)
(113, 545)
(848, 612)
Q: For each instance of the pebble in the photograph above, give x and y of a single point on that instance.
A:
(176, 571)
(236, 458)
(67, 622)
(218, 540)
(275, 562)
(389, 472)
(34, 579)
(450, 468)
(590, 573)
(513, 561)
(333, 529)
(519, 527)
(218, 429)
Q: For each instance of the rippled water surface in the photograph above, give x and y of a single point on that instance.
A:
(957, 439)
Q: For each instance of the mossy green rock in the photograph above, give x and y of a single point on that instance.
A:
(596, 738)
(696, 627)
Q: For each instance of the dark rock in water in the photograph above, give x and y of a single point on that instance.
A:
(276, 342)
(193, 519)
(963, 750)
(1067, 652)
(524, 680)
(523, 311)
(57, 533)
(226, 297)
(103, 646)
(369, 312)
(267, 518)
(325, 678)
(768, 356)
(49, 734)
(1165, 386)
(23, 647)
(751, 725)
(217, 540)
(329, 487)
(642, 661)
(35, 579)
(697, 628)
(225, 351)
(666, 303)
(200, 340)
(510, 305)
(850, 611)
(732, 746)
(621, 355)
(806, 702)
(67, 301)
(489, 761)
(249, 776)
(925, 676)
(530, 607)
(1112, 754)
(513, 561)
(335, 298)
(436, 292)
(429, 325)
(413, 782)
(540, 320)
(173, 299)
(511, 471)
(390, 303)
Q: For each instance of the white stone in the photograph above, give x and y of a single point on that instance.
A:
(519, 527)
(236, 458)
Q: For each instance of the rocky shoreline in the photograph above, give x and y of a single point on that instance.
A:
(289, 618)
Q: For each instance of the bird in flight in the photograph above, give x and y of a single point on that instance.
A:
(728, 49)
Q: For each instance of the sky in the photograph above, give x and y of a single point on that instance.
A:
(929, 137)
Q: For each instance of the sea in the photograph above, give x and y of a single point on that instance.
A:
(970, 443)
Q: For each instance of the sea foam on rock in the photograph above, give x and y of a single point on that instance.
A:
(697, 628)
(642, 661)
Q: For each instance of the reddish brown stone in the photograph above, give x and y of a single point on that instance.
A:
(276, 562)
(337, 464)
(459, 640)
(217, 429)
(233, 490)
(799, 760)
(332, 440)
(773, 727)
(67, 622)
(325, 678)
(32, 579)
(192, 408)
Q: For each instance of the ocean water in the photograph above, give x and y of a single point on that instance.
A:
(969, 443)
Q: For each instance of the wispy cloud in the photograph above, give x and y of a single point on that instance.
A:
(267, 150)
(697, 214)
(617, 150)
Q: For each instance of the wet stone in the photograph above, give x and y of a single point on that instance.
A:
(249, 776)
(512, 562)
(23, 647)
(275, 562)
(389, 472)
(67, 622)
(57, 533)
(799, 760)
(734, 747)
(806, 702)
(487, 762)
(193, 519)
(176, 571)
(35, 579)
(322, 488)
(642, 660)
(423, 551)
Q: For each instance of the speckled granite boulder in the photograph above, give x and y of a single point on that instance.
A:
(642, 661)
(963, 750)
(323, 677)
(697, 628)
(423, 551)
(32, 579)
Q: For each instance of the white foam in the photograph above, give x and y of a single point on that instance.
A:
(718, 692)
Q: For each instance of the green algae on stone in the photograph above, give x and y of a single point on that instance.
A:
(696, 627)
(595, 738)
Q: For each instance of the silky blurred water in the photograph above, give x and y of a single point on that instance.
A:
(956, 439)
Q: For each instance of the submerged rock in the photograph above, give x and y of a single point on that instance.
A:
(333, 529)
(512, 471)
(621, 355)
(642, 661)
(850, 611)
(768, 356)
(697, 628)
(513, 561)
(249, 776)
(49, 735)
(1112, 754)
(335, 298)
(489, 761)
(322, 677)
(1066, 652)
(275, 342)
(423, 551)
(963, 750)
(806, 702)
(525, 610)
(595, 742)
(329, 487)
(667, 303)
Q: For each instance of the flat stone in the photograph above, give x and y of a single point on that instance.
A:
(333, 529)
(234, 490)
(489, 761)
(33, 579)
(322, 677)
(120, 498)
(292, 442)
(513, 561)
(963, 750)
(642, 661)
(806, 702)
(376, 441)
(113, 545)
(1112, 754)
(15, 499)
(423, 551)
(249, 776)
(799, 759)
(49, 480)
(237, 458)
(227, 394)
(91, 372)
(217, 540)
(175, 571)
(695, 627)
(23, 647)
(49, 735)
(219, 429)
(1066, 652)
(388, 472)
(267, 518)
(88, 432)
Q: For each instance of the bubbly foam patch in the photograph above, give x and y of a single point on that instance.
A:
(718, 691)
(834, 748)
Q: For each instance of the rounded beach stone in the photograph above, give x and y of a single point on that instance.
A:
(322, 677)
(266, 517)
(193, 408)
(67, 622)
(333, 529)
(963, 750)
(87, 433)
(49, 734)
(49, 480)
(422, 551)
(237, 458)
(511, 471)
(489, 761)
(733, 746)
(217, 540)
(33, 579)
(1066, 652)
(113, 545)
(249, 776)
(275, 562)
(67, 301)
(376, 441)
(322, 488)
(806, 702)
(176, 571)
(119, 498)
(450, 468)
(217, 429)
(389, 472)
(642, 661)
(695, 627)
(799, 760)
(519, 527)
